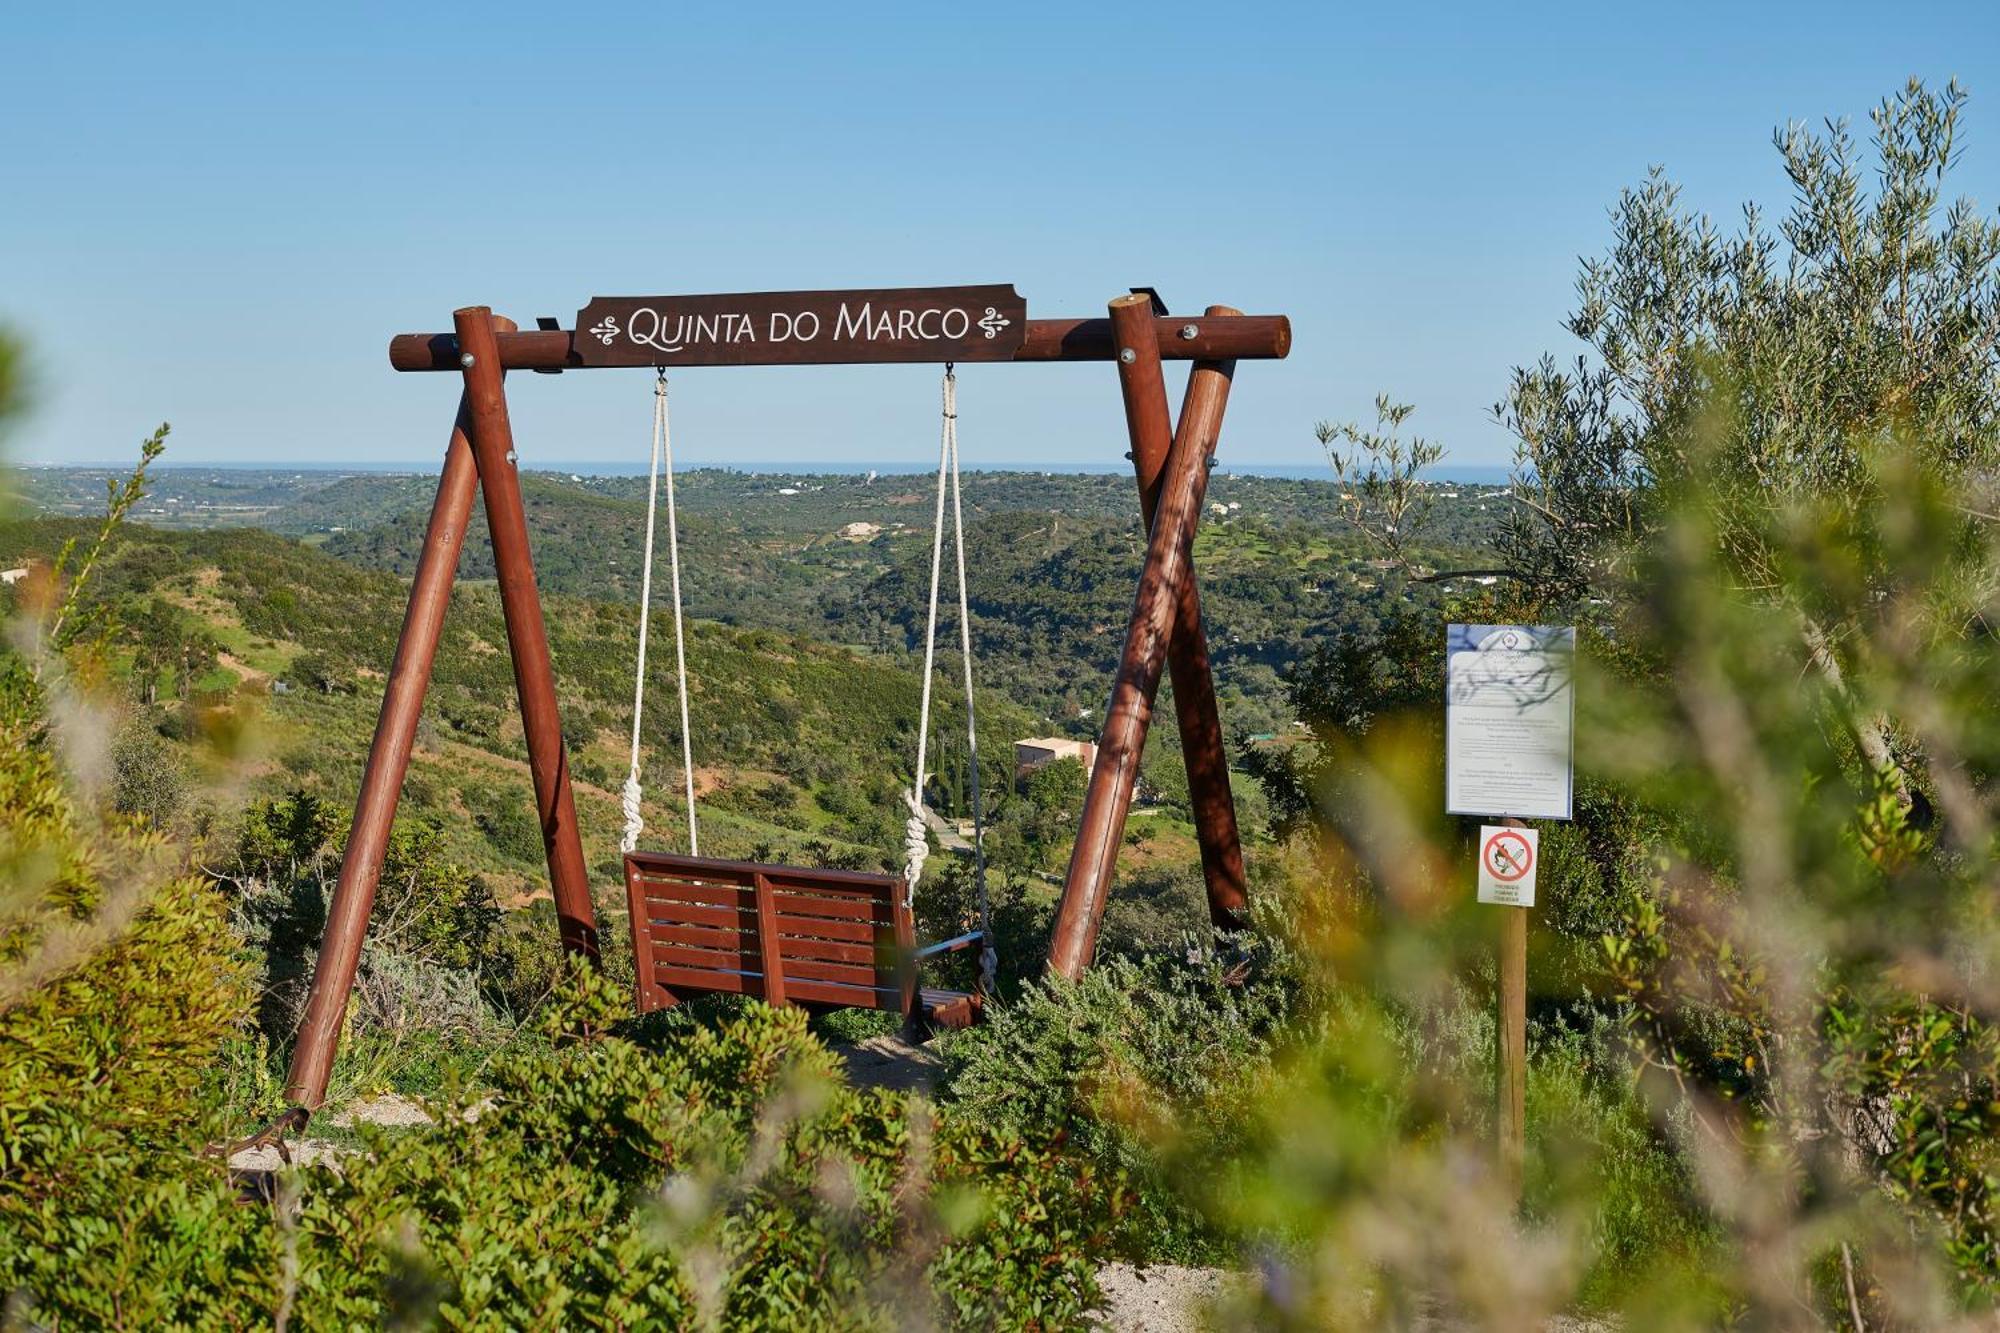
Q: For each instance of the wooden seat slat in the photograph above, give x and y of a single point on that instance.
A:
(749, 983)
(699, 937)
(860, 883)
(951, 1009)
(848, 997)
(837, 909)
(714, 895)
(707, 930)
(838, 951)
(714, 960)
(827, 928)
(850, 974)
(745, 872)
(654, 911)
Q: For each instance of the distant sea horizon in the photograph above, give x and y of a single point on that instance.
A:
(1468, 474)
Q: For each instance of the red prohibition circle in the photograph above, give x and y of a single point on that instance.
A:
(1512, 864)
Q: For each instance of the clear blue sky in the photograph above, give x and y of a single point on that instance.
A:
(219, 215)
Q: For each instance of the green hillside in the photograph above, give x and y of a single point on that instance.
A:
(1050, 591)
(592, 545)
(801, 745)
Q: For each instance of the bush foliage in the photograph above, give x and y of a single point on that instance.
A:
(1143, 1045)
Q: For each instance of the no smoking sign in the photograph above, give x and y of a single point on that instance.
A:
(1507, 859)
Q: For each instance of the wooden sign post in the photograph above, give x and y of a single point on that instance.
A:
(1509, 708)
(1510, 1065)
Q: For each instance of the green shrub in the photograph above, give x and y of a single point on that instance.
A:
(507, 821)
(855, 1025)
(1593, 1149)
(581, 1180)
(1360, 1176)
(1153, 908)
(584, 1180)
(1159, 1043)
(117, 987)
(150, 777)
(729, 1175)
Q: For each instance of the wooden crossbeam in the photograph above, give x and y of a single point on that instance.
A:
(1178, 338)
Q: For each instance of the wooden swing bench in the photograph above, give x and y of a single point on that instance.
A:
(784, 934)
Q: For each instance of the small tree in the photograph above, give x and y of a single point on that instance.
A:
(1754, 371)
(1380, 475)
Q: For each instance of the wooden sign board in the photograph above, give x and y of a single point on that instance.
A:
(800, 328)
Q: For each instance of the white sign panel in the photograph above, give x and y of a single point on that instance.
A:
(1509, 704)
(1507, 858)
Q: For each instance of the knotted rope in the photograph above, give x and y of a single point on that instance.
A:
(916, 843)
(633, 794)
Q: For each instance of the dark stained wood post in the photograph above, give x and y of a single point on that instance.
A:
(1202, 748)
(388, 764)
(906, 955)
(770, 954)
(1169, 556)
(1510, 1066)
(646, 979)
(527, 634)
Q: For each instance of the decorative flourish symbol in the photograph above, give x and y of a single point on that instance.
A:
(606, 329)
(993, 322)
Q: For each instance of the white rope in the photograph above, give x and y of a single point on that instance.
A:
(916, 843)
(916, 840)
(633, 794)
(989, 958)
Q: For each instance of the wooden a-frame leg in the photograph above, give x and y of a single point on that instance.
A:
(527, 632)
(382, 779)
(1107, 799)
(1202, 748)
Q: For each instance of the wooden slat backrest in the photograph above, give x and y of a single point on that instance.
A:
(783, 933)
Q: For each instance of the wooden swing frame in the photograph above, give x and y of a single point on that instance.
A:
(1171, 460)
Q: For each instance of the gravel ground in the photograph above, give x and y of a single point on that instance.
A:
(304, 1153)
(1161, 1298)
(388, 1109)
(892, 1063)
(1166, 1298)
